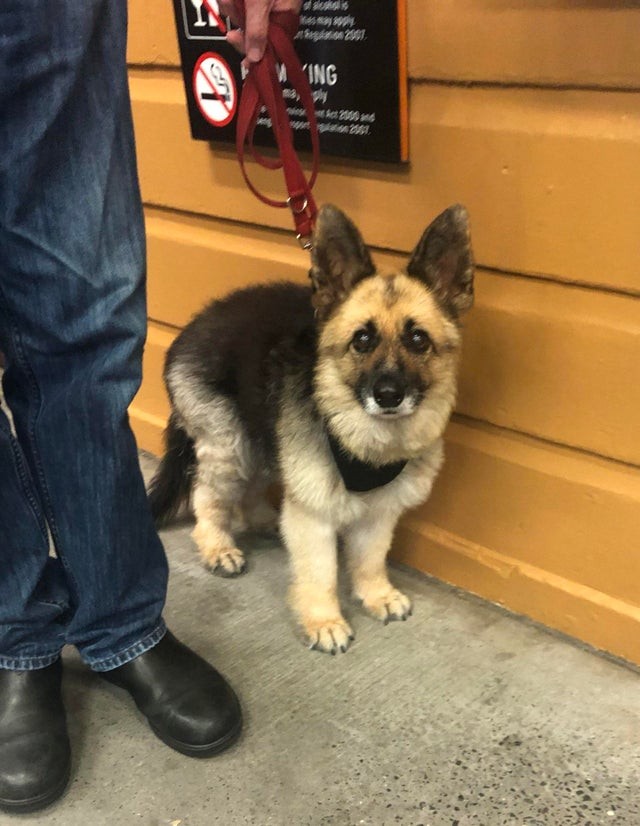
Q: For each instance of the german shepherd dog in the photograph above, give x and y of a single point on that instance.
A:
(340, 391)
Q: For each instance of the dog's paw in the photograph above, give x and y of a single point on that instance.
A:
(389, 605)
(328, 635)
(226, 562)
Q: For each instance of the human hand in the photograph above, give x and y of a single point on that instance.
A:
(251, 40)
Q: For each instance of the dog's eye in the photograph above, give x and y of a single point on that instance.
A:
(418, 340)
(365, 339)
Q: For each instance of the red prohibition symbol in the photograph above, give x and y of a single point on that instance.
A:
(214, 89)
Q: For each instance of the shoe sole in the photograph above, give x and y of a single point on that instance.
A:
(206, 750)
(34, 804)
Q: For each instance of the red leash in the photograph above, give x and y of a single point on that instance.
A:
(262, 90)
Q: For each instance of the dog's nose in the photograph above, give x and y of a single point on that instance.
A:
(388, 392)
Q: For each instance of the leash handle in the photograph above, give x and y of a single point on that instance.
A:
(262, 89)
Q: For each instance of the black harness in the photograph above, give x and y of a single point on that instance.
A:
(360, 477)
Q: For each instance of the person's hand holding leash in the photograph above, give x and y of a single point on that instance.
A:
(251, 39)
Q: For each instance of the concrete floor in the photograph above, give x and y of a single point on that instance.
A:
(462, 715)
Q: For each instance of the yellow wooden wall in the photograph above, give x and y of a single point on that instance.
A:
(528, 112)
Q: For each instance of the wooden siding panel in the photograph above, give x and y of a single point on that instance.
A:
(192, 261)
(551, 179)
(526, 41)
(562, 43)
(554, 361)
(152, 39)
(548, 533)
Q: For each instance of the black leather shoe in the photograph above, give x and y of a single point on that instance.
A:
(188, 704)
(35, 757)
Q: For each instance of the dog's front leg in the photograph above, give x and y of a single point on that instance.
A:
(312, 545)
(366, 545)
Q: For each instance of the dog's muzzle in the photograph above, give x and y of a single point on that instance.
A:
(388, 392)
(388, 396)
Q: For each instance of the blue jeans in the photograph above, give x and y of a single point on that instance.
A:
(72, 329)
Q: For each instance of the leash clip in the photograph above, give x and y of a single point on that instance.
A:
(292, 207)
(304, 241)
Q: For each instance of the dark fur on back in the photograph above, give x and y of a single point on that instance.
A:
(239, 347)
(236, 347)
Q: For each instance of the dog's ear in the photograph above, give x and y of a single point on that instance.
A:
(444, 261)
(339, 259)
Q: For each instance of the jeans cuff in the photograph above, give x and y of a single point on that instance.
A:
(28, 663)
(130, 653)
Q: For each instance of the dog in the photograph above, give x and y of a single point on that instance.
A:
(341, 391)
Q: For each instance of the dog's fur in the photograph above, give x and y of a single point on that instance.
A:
(257, 379)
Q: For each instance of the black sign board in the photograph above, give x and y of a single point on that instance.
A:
(354, 53)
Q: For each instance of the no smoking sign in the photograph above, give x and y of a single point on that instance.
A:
(214, 89)
(360, 99)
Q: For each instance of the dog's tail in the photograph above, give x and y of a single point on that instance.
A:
(171, 486)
